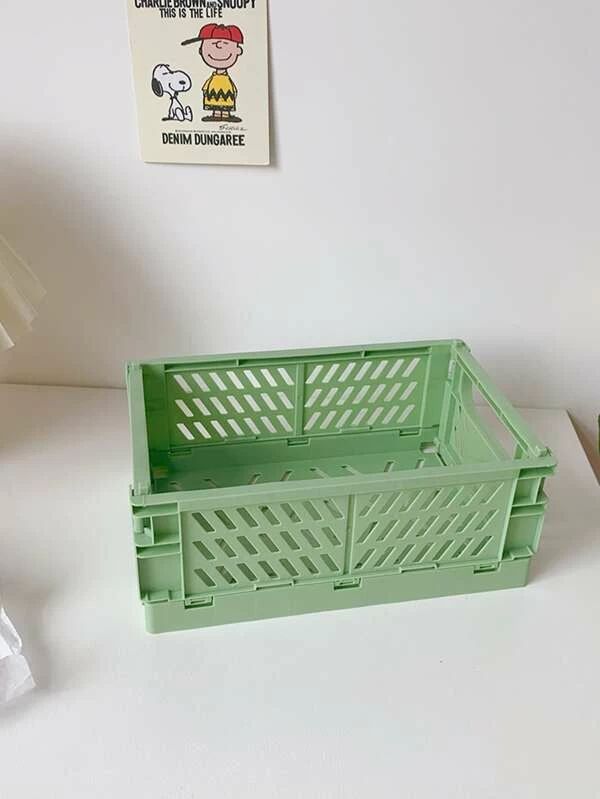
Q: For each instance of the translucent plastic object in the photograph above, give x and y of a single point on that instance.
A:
(15, 676)
(20, 294)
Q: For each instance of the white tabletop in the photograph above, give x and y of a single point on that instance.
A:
(488, 695)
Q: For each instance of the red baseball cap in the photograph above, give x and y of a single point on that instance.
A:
(214, 31)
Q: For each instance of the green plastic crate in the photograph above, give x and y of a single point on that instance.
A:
(278, 483)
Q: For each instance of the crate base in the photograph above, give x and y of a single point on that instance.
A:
(293, 600)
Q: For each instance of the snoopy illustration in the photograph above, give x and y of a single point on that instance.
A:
(165, 81)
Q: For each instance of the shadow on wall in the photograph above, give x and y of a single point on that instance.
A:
(590, 444)
(542, 355)
(83, 235)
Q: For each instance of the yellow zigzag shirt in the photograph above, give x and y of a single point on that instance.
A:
(219, 93)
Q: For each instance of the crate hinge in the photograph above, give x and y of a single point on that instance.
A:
(348, 582)
(300, 441)
(200, 602)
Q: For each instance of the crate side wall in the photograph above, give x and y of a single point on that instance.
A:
(440, 525)
(263, 542)
(210, 404)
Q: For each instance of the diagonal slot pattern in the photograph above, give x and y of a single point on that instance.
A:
(243, 548)
(216, 404)
(211, 405)
(443, 524)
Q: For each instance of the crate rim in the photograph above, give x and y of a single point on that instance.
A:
(341, 486)
(361, 350)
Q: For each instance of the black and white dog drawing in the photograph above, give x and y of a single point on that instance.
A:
(165, 81)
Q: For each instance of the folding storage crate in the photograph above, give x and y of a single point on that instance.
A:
(287, 482)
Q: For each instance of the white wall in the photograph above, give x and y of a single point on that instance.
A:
(436, 174)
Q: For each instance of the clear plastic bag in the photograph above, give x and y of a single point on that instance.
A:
(15, 676)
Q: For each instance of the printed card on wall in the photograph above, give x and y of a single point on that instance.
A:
(201, 75)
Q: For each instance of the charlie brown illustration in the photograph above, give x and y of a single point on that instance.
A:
(220, 48)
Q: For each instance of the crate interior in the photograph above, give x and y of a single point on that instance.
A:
(246, 421)
(237, 465)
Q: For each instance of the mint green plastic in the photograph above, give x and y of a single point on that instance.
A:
(277, 483)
